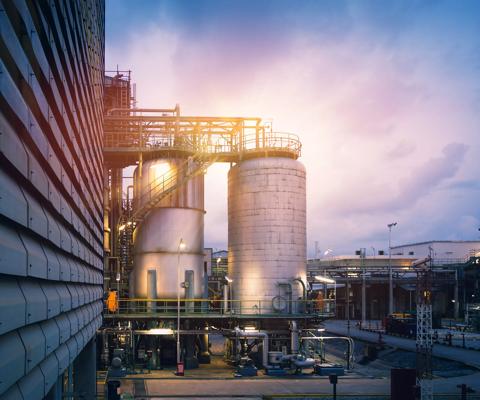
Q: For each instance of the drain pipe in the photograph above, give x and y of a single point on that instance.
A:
(294, 343)
(263, 335)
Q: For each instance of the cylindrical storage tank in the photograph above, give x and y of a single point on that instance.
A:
(267, 234)
(157, 237)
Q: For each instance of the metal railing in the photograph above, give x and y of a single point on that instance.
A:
(167, 183)
(203, 307)
(208, 135)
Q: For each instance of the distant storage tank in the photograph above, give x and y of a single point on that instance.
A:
(267, 234)
(157, 237)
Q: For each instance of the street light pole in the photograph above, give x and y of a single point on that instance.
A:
(181, 246)
(390, 275)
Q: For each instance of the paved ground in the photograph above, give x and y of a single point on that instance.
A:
(160, 385)
(216, 381)
(264, 387)
(256, 388)
(468, 357)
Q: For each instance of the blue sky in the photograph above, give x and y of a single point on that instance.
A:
(385, 96)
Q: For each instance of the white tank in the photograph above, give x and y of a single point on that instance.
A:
(157, 238)
(267, 234)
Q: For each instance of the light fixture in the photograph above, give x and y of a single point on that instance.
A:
(219, 260)
(182, 245)
(250, 328)
(160, 331)
(324, 279)
(229, 280)
(121, 228)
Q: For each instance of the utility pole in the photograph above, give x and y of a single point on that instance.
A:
(390, 275)
(363, 253)
(424, 329)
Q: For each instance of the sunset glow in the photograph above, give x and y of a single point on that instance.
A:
(384, 99)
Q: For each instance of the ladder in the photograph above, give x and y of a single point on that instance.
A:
(168, 183)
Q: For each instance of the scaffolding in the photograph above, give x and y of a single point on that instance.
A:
(424, 339)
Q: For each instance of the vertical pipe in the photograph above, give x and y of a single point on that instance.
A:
(347, 294)
(391, 307)
(151, 290)
(294, 346)
(106, 212)
(456, 305)
(189, 290)
(364, 299)
(204, 357)
(225, 298)
(70, 382)
(205, 287)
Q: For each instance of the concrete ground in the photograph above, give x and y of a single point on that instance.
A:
(216, 381)
(259, 388)
(212, 382)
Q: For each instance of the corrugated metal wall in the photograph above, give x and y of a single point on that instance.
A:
(51, 218)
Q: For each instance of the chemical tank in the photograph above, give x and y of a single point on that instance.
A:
(157, 237)
(267, 235)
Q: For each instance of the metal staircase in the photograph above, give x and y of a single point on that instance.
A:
(168, 183)
(124, 244)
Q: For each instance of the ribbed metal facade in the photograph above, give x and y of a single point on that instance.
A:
(51, 219)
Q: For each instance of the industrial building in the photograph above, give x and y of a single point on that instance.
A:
(362, 282)
(51, 180)
(168, 293)
(103, 264)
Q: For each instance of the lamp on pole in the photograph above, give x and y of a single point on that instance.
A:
(181, 247)
(390, 276)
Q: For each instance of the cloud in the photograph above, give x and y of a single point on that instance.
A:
(385, 101)
(401, 149)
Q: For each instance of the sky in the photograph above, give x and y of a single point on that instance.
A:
(384, 95)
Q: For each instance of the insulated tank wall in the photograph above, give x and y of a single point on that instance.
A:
(157, 238)
(267, 234)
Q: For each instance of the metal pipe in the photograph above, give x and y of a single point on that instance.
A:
(304, 295)
(184, 119)
(391, 308)
(225, 298)
(289, 293)
(189, 290)
(456, 305)
(294, 343)
(152, 290)
(263, 335)
(349, 340)
(132, 110)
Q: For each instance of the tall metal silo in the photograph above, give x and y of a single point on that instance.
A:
(267, 234)
(179, 216)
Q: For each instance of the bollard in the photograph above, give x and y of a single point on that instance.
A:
(333, 380)
(402, 383)
(180, 369)
(464, 389)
